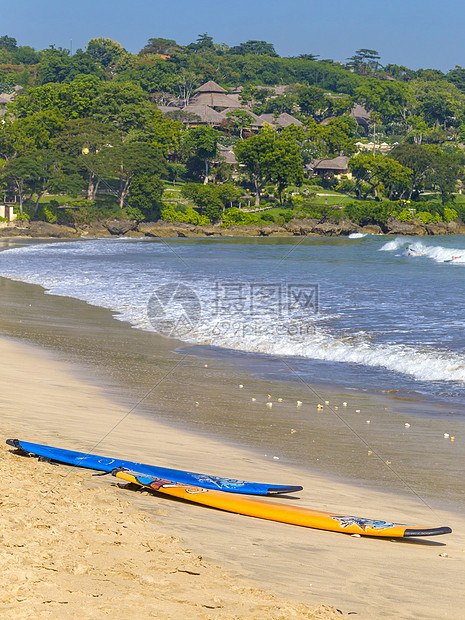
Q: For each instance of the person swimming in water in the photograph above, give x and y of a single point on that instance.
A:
(411, 252)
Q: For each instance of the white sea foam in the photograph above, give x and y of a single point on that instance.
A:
(395, 244)
(76, 270)
(357, 235)
(438, 253)
(318, 343)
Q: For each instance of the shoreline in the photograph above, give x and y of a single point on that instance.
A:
(167, 230)
(247, 552)
(193, 392)
(310, 556)
(72, 543)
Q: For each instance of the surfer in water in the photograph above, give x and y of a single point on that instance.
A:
(411, 252)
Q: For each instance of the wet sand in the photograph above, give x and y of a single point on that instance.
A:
(48, 398)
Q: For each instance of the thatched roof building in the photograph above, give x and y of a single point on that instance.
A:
(213, 95)
(337, 166)
(207, 115)
(227, 154)
(283, 120)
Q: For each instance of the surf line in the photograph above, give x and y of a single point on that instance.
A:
(360, 438)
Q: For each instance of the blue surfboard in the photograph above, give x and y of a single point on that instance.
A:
(106, 464)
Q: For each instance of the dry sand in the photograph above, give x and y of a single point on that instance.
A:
(73, 546)
(72, 551)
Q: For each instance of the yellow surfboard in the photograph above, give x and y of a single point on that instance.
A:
(274, 511)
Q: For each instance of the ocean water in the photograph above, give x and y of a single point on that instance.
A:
(352, 312)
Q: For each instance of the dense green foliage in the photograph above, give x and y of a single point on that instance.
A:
(87, 125)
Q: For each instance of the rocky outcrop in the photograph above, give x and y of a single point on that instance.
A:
(40, 230)
(437, 229)
(456, 228)
(308, 228)
(372, 229)
(273, 230)
(94, 230)
(396, 227)
(158, 229)
(120, 227)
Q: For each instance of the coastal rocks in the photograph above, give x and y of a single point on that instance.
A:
(240, 231)
(335, 229)
(120, 227)
(12, 231)
(40, 230)
(396, 227)
(94, 230)
(439, 228)
(456, 228)
(302, 227)
(372, 229)
(211, 231)
(273, 230)
(158, 229)
(135, 234)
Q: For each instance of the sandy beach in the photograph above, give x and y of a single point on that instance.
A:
(78, 541)
(74, 550)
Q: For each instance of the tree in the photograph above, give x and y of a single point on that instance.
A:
(86, 140)
(446, 169)
(438, 101)
(160, 46)
(201, 144)
(392, 100)
(204, 42)
(55, 65)
(8, 43)
(270, 157)
(144, 201)
(419, 159)
(26, 55)
(163, 132)
(14, 139)
(371, 172)
(124, 105)
(312, 101)
(364, 61)
(73, 100)
(187, 81)
(212, 199)
(56, 172)
(128, 160)
(105, 51)
(241, 119)
(257, 48)
(278, 105)
(335, 138)
(457, 77)
(21, 172)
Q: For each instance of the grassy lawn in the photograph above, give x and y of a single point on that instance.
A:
(61, 199)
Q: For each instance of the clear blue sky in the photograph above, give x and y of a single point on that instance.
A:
(416, 33)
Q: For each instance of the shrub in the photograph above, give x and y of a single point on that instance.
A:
(188, 216)
(48, 211)
(236, 217)
(427, 218)
(346, 186)
(404, 215)
(449, 214)
(364, 213)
